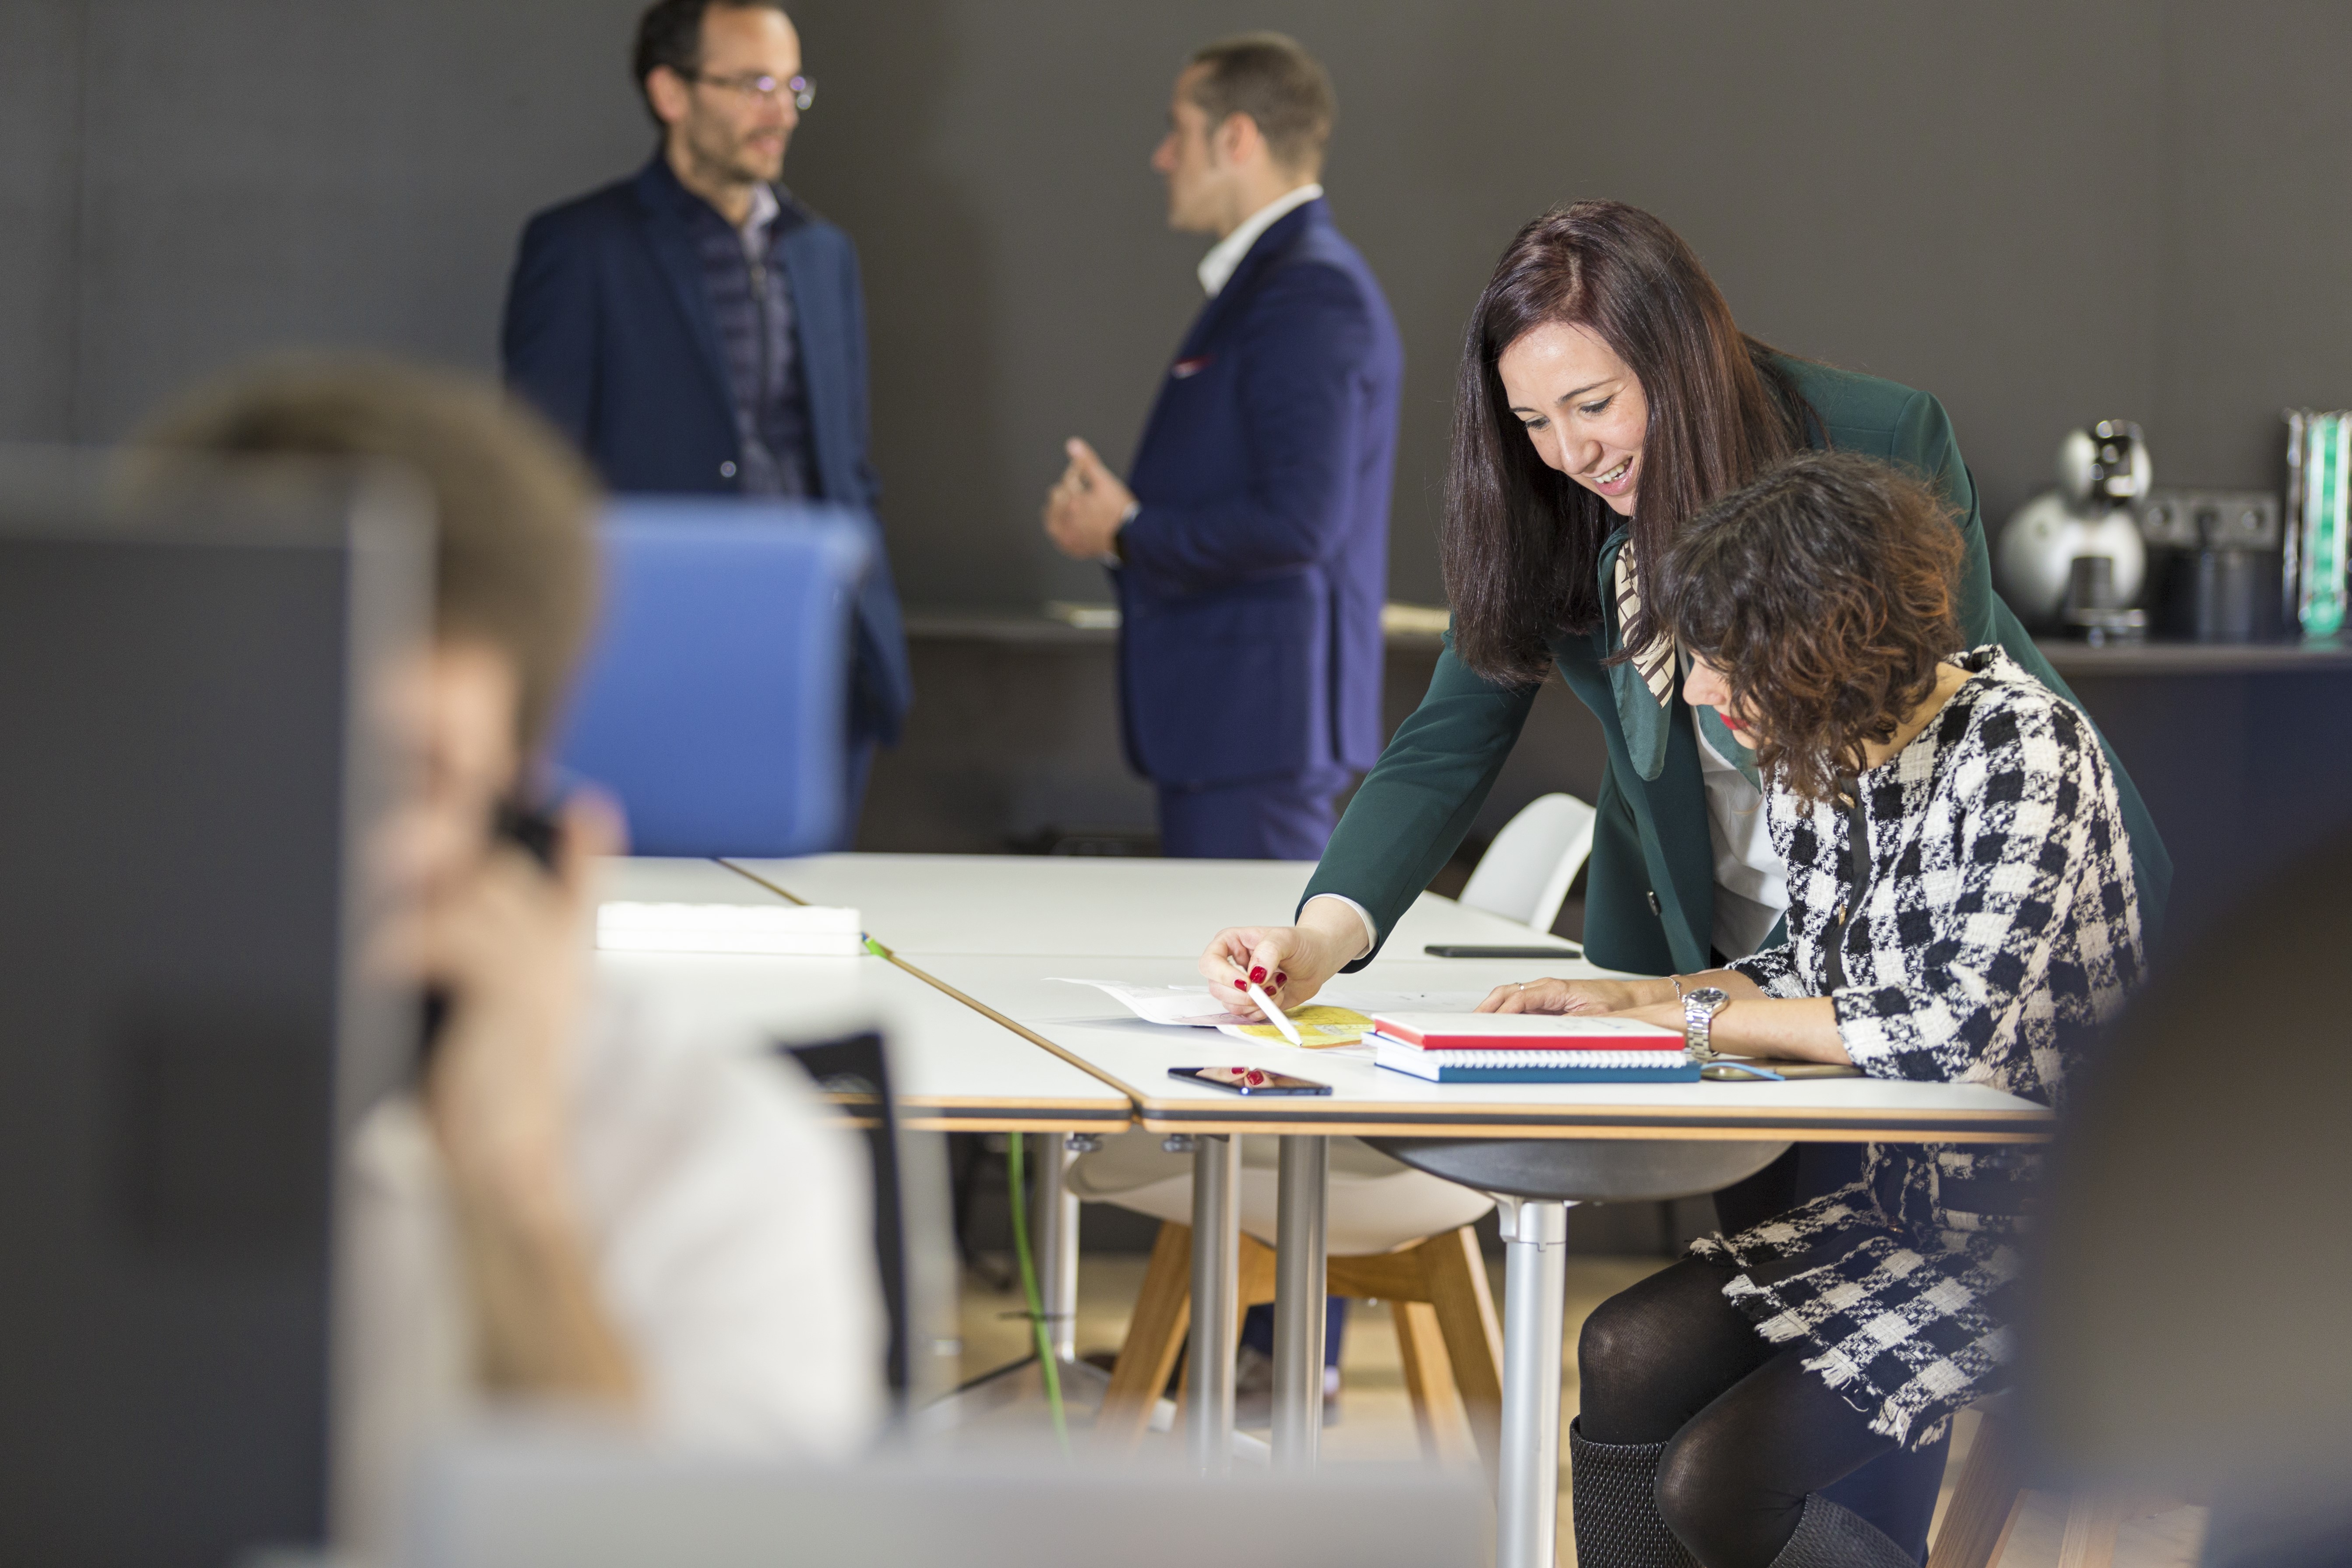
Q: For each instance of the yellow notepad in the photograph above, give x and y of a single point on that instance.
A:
(1320, 1028)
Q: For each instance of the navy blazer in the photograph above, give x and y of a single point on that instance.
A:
(1254, 573)
(609, 331)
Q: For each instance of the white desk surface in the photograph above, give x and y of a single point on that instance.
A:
(1058, 906)
(953, 1067)
(995, 928)
(645, 879)
(1368, 1100)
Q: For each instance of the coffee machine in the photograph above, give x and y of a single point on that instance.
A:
(2072, 560)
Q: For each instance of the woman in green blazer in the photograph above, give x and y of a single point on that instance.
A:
(1604, 396)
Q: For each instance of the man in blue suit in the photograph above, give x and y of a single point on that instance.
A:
(695, 328)
(1250, 546)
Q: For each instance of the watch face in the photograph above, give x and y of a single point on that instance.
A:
(1709, 996)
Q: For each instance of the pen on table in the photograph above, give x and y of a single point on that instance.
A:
(1274, 1014)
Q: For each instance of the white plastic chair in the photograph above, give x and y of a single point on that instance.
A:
(1525, 873)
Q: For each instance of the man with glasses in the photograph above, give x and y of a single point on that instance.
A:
(695, 328)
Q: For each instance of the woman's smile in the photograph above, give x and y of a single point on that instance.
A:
(1618, 480)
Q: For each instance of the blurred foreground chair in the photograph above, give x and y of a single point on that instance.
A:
(552, 1503)
(854, 1073)
(1524, 874)
(714, 702)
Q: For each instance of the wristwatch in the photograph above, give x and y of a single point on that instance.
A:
(1700, 1008)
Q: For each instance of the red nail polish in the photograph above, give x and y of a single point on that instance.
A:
(1257, 976)
(1280, 978)
(1241, 984)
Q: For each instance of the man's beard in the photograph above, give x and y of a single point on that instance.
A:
(735, 163)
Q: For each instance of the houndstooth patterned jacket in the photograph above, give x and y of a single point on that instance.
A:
(2000, 928)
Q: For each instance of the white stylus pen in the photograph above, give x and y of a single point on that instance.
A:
(1274, 1015)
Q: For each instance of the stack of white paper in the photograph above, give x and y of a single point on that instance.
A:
(796, 929)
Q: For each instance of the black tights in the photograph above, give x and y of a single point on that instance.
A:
(1748, 1433)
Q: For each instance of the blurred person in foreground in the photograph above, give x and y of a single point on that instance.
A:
(2195, 1258)
(1962, 909)
(1249, 544)
(696, 330)
(581, 1203)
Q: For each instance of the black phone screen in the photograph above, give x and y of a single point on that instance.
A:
(1251, 1080)
(535, 828)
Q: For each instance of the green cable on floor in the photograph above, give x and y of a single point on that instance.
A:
(1046, 1362)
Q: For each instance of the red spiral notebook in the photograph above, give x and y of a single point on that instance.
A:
(1523, 1032)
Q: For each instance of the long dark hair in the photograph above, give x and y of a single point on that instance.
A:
(1827, 593)
(1521, 543)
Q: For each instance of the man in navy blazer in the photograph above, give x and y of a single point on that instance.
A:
(1250, 544)
(696, 330)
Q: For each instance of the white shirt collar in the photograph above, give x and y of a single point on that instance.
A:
(764, 210)
(1217, 267)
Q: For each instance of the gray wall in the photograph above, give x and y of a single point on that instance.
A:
(2043, 213)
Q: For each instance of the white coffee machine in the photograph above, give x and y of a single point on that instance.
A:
(2072, 559)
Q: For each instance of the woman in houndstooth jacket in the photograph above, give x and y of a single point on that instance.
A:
(1987, 926)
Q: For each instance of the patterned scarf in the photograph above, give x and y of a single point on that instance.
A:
(1645, 692)
(1657, 662)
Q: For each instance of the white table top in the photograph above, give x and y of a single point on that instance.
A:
(1063, 905)
(1368, 1100)
(995, 928)
(953, 1067)
(648, 880)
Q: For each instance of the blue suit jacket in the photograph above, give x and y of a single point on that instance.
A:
(1253, 576)
(609, 331)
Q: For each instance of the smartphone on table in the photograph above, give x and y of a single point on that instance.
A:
(1251, 1080)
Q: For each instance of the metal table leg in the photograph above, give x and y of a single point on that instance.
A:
(1056, 1223)
(1535, 1306)
(1299, 1292)
(1216, 1272)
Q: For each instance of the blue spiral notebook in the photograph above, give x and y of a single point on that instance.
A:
(1534, 1067)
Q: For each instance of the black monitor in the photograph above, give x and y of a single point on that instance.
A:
(183, 773)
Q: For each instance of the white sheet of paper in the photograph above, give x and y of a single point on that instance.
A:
(1179, 1005)
(1190, 1006)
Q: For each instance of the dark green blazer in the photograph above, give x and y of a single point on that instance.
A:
(1650, 889)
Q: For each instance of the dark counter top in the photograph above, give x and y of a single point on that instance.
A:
(1005, 629)
(2155, 659)
(1075, 626)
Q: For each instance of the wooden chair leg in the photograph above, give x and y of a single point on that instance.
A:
(1163, 1316)
(1456, 1273)
(1156, 1331)
(1437, 1412)
(1985, 1505)
(1257, 1277)
(2093, 1519)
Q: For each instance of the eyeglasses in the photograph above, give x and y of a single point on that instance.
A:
(799, 89)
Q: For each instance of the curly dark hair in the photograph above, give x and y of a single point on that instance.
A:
(1826, 592)
(1520, 543)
